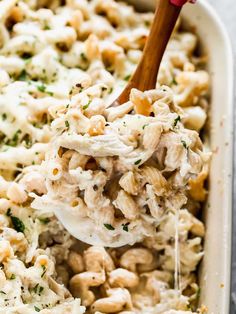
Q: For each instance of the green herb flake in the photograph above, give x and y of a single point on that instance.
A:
(83, 57)
(144, 126)
(44, 221)
(36, 309)
(38, 289)
(127, 77)
(174, 82)
(49, 93)
(87, 105)
(126, 226)
(14, 141)
(26, 56)
(109, 227)
(67, 124)
(137, 162)
(8, 213)
(111, 90)
(35, 288)
(2, 292)
(43, 89)
(46, 27)
(176, 121)
(28, 141)
(17, 224)
(184, 144)
(22, 76)
(4, 116)
(44, 270)
(13, 276)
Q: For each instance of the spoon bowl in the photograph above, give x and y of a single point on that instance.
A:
(144, 78)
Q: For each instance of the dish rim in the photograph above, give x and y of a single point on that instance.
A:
(223, 304)
(231, 132)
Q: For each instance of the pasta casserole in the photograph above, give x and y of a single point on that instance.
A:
(128, 181)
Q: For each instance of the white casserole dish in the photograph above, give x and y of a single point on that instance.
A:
(215, 271)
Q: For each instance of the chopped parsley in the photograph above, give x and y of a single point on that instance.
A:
(127, 77)
(83, 56)
(109, 227)
(176, 121)
(28, 141)
(44, 270)
(137, 162)
(111, 90)
(13, 276)
(2, 292)
(22, 76)
(67, 124)
(26, 56)
(80, 87)
(16, 136)
(17, 224)
(44, 221)
(43, 89)
(14, 141)
(36, 309)
(8, 213)
(38, 289)
(184, 144)
(46, 27)
(144, 126)
(174, 81)
(87, 105)
(4, 116)
(126, 226)
(95, 187)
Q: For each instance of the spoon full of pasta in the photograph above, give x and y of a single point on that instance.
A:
(145, 76)
(108, 195)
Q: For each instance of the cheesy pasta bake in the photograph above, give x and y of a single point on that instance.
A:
(131, 178)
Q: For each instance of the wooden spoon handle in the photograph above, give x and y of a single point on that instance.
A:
(165, 18)
(145, 75)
